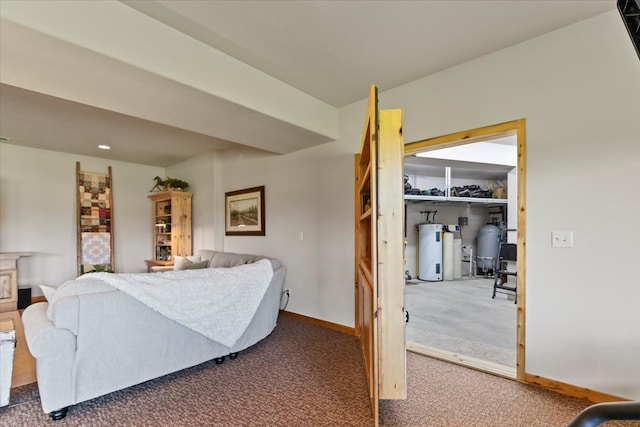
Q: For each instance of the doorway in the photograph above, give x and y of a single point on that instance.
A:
(442, 190)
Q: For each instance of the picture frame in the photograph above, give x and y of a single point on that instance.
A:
(245, 212)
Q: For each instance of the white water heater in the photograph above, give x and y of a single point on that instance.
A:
(430, 252)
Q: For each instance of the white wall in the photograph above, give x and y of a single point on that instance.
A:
(310, 191)
(578, 89)
(204, 175)
(38, 212)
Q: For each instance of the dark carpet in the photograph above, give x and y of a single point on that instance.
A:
(305, 375)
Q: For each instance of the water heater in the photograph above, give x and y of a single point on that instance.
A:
(488, 246)
(430, 252)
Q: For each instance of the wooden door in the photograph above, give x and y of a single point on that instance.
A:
(379, 265)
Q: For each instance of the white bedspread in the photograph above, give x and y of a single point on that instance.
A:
(219, 303)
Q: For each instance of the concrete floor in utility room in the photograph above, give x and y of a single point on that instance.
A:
(459, 316)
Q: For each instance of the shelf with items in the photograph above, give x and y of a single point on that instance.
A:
(365, 253)
(365, 206)
(462, 183)
(364, 217)
(454, 200)
(171, 224)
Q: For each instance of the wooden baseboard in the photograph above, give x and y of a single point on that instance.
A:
(459, 359)
(571, 390)
(318, 322)
(546, 383)
(503, 371)
(39, 298)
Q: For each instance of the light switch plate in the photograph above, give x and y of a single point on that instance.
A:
(562, 239)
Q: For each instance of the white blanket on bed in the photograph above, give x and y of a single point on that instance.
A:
(219, 303)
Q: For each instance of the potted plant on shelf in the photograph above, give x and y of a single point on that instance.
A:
(169, 184)
(165, 254)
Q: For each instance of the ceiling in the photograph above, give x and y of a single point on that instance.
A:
(329, 51)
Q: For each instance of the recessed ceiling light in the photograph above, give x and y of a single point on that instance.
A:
(104, 147)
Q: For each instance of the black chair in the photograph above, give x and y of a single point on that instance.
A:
(507, 253)
(599, 413)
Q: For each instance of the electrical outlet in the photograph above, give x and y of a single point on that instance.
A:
(562, 239)
(463, 220)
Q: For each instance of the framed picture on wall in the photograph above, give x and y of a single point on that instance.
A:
(244, 212)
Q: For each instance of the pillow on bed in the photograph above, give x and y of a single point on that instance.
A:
(180, 261)
(195, 265)
(230, 259)
(190, 265)
(48, 292)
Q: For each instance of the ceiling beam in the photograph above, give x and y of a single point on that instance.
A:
(108, 55)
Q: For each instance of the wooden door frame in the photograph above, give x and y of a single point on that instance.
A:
(379, 263)
(518, 128)
(366, 279)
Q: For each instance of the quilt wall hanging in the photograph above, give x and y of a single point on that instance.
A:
(95, 250)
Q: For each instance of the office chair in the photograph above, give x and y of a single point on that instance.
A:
(507, 253)
(601, 412)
